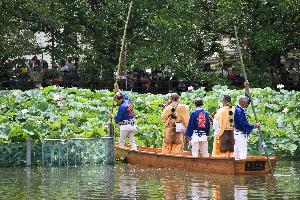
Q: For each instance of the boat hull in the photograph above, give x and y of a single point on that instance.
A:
(152, 157)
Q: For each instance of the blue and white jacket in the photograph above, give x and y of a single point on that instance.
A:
(199, 121)
(241, 120)
(125, 112)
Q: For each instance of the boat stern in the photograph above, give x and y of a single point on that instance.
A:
(255, 165)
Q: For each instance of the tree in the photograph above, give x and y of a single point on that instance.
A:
(15, 38)
(268, 27)
(177, 34)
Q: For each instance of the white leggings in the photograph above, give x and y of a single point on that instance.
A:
(123, 134)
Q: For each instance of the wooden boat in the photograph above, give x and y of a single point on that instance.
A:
(152, 157)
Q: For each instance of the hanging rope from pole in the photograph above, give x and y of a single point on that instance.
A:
(261, 146)
(121, 60)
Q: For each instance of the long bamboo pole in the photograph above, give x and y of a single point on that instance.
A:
(116, 87)
(123, 39)
(261, 146)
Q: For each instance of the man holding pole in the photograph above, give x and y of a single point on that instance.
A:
(242, 128)
(260, 140)
(125, 118)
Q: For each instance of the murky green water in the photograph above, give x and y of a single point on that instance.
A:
(132, 182)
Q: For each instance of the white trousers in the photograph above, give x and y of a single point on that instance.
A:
(123, 134)
(240, 145)
(200, 147)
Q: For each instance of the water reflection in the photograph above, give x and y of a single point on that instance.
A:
(127, 184)
(132, 182)
(240, 192)
(199, 190)
(177, 184)
(173, 188)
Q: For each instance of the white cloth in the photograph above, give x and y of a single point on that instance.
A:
(200, 147)
(196, 138)
(180, 127)
(123, 134)
(240, 145)
(128, 127)
(216, 126)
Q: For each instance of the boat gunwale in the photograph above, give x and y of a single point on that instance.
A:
(249, 158)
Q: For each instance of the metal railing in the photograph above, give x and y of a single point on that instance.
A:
(58, 152)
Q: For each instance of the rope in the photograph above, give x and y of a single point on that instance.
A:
(261, 147)
(116, 87)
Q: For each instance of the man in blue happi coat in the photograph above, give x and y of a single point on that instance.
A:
(242, 128)
(125, 118)
(198, 129)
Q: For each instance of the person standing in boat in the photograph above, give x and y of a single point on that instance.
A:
(176, 119)
(223, 121)
(125, 118)
(242, 128)
(198, 129)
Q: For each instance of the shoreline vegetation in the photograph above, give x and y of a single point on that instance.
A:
(55, 112)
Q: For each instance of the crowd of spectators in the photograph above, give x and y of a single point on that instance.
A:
(156, 82)
(34, 73)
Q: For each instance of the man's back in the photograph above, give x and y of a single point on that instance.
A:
(181, 110)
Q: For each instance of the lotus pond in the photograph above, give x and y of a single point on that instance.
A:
(58, 113)
(55, 112)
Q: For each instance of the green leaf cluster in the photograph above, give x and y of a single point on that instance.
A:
(179, 35)
(82, 113)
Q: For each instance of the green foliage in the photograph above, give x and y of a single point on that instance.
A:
(83, 113)
(177, 34)
(267, 38)
(13, 42)
(36, 114)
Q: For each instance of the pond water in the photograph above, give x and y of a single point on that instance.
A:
(132, 182)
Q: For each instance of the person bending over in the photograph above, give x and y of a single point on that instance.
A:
(125, 118)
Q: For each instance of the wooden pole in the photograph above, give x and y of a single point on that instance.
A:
(116, 87)
(123, 39)
(261, 146)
